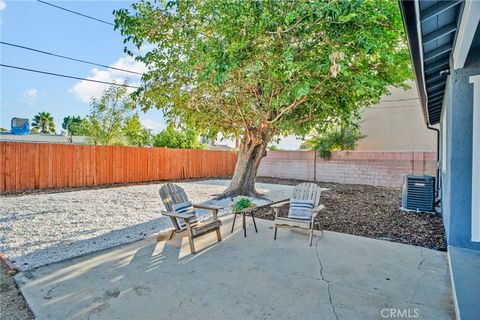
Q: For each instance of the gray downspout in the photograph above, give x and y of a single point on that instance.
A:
(437, 177)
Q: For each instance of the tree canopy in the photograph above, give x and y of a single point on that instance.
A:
(111, 120)
(73, 125)
(43, 122)
(259, 69)
(134, 133)
(180, 139)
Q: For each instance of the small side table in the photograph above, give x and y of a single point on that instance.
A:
(244, 224)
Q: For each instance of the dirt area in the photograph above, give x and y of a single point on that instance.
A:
(12, 303)
(370, 211)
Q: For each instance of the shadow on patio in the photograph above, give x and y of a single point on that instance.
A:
(340, 277)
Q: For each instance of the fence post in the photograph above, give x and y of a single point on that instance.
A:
(315, 166)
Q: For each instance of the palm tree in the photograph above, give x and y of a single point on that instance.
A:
(43, 122)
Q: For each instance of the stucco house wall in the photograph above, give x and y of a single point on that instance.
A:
(457, 127)
(396, 124)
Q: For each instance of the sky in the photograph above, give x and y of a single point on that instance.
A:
(42, 27)
(36, 25)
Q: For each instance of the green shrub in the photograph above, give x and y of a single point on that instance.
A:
(339, 139)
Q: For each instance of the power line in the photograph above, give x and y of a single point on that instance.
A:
(68, 58)
(67, 76)
(75, 12)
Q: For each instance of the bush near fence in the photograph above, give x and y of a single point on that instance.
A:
(30, 166)
(383, 168)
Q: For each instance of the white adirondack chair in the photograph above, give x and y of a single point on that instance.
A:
(304, 191)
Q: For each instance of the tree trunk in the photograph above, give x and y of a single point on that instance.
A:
(249, 157)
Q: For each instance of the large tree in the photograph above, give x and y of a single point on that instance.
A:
(104, 124)
(260, 69)
(111, 120)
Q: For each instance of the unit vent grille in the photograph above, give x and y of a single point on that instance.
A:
(418, 193)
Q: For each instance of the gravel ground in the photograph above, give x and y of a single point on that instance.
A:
(370, 211)
(12, 303)
(41, 228)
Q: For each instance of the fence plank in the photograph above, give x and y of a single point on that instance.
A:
(27, 166)
(2, 167)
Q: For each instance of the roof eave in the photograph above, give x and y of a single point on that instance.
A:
(411, 24)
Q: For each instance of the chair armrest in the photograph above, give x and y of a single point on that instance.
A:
(277, 205)
(316, 210)
(212, 208)
(177, 215)
(207, 207)
(280, 204)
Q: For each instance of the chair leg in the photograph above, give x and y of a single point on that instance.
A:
(275, 234)
(192, 246)
(321, 230)
(219, 235)
(233, 224)
(311, 235)
(254, 224)
(244, 226)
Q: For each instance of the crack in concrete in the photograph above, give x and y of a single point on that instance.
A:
(325, 280)
(421, 260)
(417, 282)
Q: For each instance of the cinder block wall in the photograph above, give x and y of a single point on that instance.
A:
(383, 168)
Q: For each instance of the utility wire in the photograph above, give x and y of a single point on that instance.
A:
(75, 12)
(67, 76)
(68, 58)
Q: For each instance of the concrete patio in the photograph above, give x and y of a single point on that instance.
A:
(340, 277)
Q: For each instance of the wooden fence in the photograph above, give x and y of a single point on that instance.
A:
(29, 166)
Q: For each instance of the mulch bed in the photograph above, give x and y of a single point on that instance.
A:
(370, 211)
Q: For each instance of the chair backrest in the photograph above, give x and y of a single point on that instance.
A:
(172, 194)
(307, 191)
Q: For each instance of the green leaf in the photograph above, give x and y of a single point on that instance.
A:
(301, 90)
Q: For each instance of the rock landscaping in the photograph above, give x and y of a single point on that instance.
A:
(41, 228)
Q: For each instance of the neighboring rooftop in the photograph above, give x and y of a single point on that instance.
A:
(42, 138)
